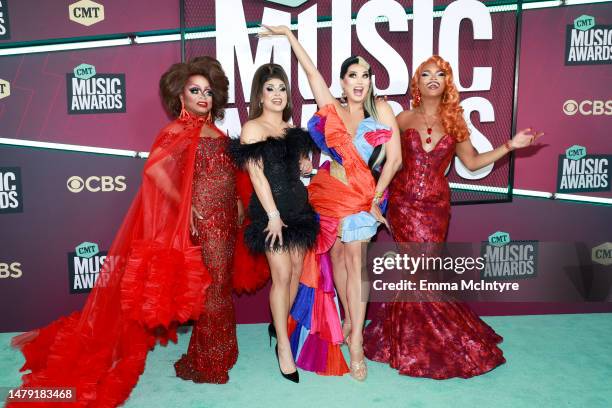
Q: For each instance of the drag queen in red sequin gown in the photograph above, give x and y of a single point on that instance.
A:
(157, 270)
(213, 348)
(431, 338)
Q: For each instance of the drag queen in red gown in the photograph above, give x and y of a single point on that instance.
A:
(428, 338)
(157, 271)
(213, 348)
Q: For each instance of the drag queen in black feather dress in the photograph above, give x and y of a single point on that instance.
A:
(283, 224)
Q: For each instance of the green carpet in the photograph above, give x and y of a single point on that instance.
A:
(552, 361)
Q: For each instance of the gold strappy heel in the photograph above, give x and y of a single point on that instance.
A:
(359, 369)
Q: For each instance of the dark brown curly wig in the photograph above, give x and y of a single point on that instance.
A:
(173, 81)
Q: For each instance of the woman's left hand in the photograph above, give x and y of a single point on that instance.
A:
(305, 167)
(525, 138)
(376, 213)
(241, 213)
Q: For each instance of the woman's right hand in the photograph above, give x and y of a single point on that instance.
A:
(274, 30)
(192, 222)
(376, 213)
(275, 231)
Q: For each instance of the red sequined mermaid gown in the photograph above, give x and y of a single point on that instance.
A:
(213, 348)
(428, 339)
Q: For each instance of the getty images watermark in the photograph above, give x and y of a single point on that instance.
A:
(418, 269)
(498, 270)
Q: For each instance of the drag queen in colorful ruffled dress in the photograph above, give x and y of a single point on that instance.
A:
(347, 193)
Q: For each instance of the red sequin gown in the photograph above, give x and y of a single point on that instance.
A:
(213, 348)
(428, 339)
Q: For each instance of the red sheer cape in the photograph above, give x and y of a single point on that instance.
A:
(153, 279)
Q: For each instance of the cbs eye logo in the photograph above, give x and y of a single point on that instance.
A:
(570, 107)
(94, 184)
(587, 107)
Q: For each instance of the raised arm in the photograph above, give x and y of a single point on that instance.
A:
(319, 87)
(475, 161)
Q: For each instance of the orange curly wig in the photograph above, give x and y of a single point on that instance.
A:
(449, 111)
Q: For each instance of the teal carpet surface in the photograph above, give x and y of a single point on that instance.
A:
(552, 361)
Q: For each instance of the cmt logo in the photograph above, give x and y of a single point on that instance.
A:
(86, 12)
(578, 171)
(83, 273)
(499, 239)
(91, 92)
(5, 88)
(94, 184)
(507, 259)
(588, 107)
(10, 270)
(602, 254)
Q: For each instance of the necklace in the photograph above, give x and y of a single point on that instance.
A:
(429, 128)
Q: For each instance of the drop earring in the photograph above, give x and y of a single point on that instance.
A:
(416, 100)
(184, 114)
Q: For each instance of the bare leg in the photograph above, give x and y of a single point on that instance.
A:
(357, 305)
(280, 270)
(340, 273)
(297, 264)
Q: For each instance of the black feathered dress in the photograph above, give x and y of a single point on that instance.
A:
(280, 158)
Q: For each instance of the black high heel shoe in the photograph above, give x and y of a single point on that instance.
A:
(294, 376)
(271, 332)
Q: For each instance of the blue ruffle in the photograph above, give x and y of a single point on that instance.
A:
(301, 312)
(302, 306)
(364, 148)
(360, 226)
(304, 332)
